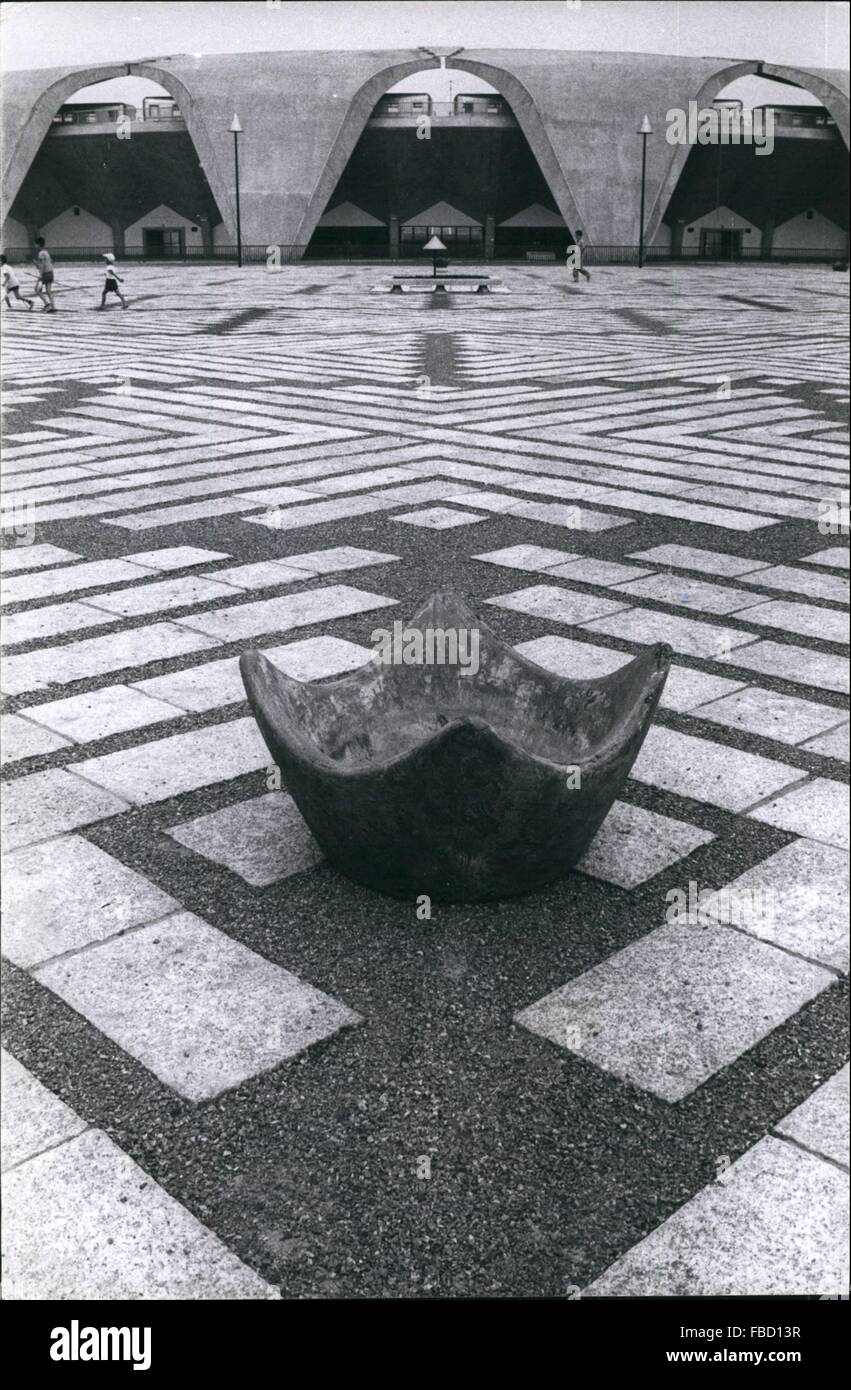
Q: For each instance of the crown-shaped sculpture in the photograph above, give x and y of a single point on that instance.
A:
(426, 771)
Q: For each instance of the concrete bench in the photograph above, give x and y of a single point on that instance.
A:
(461, 276)
(439, 286)
(443, 283)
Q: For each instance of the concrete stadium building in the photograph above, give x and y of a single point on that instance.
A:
(328, 160)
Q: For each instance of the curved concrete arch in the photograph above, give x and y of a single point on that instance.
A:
(532, 126)
(825, 86)
(364, 101)
(30, 100)
(295, 107)
(351, 129)
(208, 156)
(657, 204)
(38, 112)
(831, 88)
(589, 107)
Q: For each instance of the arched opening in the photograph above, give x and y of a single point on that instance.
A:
(443, 154)
(117, 170)
(767, 180)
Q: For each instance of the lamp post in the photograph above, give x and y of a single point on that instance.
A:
(435, 246)
(236, 128)
(644, 130)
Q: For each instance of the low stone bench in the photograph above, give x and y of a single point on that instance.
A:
(443, 283)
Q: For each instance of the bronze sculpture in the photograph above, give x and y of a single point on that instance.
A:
(429, 777)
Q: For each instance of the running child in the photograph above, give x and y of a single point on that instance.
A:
(11, 285)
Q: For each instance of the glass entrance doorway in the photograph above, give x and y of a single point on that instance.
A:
(720, 243)
(164, 243)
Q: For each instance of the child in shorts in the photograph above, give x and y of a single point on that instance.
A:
(44, 283)
(111, 284)
(11, 285)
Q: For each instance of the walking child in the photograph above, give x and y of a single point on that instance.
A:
(11, 285)
(44, 283)
(111, 283)
(574, 258)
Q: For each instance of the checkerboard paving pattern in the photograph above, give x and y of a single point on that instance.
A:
(234, 1073)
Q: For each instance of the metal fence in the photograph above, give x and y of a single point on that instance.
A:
(694, 255)
(352, 253)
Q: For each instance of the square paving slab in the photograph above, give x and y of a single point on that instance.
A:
(674, 1008)
(261, 840)
(197, 1008)
(67, 893)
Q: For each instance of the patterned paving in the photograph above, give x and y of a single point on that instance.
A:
(232, 1073)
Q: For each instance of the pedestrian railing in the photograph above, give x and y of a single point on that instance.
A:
(349, 252)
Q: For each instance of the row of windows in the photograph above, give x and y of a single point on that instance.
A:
(445, 233)
(159, 110)
(420, 103)
(783, 116)
(152, 110)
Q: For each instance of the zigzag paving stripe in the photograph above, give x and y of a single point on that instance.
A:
(235, 1074)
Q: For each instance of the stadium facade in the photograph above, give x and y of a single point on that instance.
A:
(327, 158)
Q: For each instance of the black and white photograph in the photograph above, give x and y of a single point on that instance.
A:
(425, 734)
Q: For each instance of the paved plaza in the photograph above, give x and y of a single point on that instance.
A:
(231, 1072)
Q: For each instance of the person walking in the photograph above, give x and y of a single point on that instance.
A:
(574, 258)
(44, 283)
(11, 285)
(113, 281)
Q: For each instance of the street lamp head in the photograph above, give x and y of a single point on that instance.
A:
(235, 125)
(645, 128)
